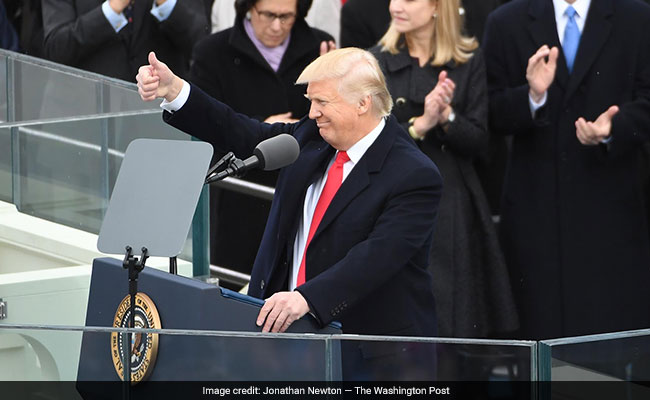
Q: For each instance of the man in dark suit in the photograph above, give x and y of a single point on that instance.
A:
(114, 37)
(365, 264)
(570, 81)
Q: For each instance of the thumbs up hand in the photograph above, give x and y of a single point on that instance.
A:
(156, 80)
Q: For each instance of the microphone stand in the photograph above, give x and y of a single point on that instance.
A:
(230, 166)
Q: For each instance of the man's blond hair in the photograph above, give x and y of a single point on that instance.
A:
(358, 74)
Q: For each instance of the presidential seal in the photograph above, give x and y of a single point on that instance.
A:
(144, 346)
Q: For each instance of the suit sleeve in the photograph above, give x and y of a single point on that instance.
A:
(214, 122)
(70, 37)
(507, 86)
(400, 231)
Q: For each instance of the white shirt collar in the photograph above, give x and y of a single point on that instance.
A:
(581, 7)
(359, 148)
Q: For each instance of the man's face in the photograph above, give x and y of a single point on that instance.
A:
(272, 20)
(336, 118)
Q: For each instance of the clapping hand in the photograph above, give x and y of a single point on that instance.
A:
(326, 47)
(541, 72)
(591, 133)
(436, 104)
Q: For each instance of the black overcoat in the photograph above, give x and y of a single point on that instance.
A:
(573, 223)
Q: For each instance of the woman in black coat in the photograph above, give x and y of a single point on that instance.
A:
(253, 67)
(437, 80)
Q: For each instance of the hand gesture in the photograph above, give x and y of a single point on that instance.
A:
(326, 47)
(286, 118)
(591, 133)
(435, 103)
(281, 310)
(156, 80)
(541, 72)
(118, 5)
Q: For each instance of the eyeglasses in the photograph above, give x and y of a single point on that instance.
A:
(268, 17)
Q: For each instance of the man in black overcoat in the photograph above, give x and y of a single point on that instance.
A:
(574, 230)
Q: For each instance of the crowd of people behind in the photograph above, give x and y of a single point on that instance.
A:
(559, 88)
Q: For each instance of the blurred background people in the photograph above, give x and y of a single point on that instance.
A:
(364, 22)
(324, 15)
(27, 19)
(114, 37)
(253, 67)
(569, 80)
(8, 36)
(436, 77)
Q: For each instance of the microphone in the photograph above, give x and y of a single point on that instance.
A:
(270, 154)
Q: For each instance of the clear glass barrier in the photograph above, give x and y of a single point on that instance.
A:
(46, 90)
(5, 166)
(49, 353)
(613, 365)
(366, 358)
(613, 356)
(3, 87)
(66, 170)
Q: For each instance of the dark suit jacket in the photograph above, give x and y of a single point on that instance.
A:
(573, 226)
(367, 262)
(78, 34)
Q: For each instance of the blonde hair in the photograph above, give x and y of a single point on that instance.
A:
(358, 73)
(447, 42)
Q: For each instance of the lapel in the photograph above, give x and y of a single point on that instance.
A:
(140, 11)
(593, 38)
(543, 30)
(359, 178)
(310, 165)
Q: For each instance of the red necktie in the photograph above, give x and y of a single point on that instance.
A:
(334, 179)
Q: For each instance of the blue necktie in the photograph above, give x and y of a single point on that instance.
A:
(571, 38)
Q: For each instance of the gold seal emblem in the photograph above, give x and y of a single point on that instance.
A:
(144, 347)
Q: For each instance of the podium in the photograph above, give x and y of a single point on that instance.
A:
(150, 211)
(184, 303)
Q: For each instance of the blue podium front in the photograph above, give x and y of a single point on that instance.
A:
(186, 304)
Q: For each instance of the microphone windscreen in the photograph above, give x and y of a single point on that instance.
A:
(277, 152)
